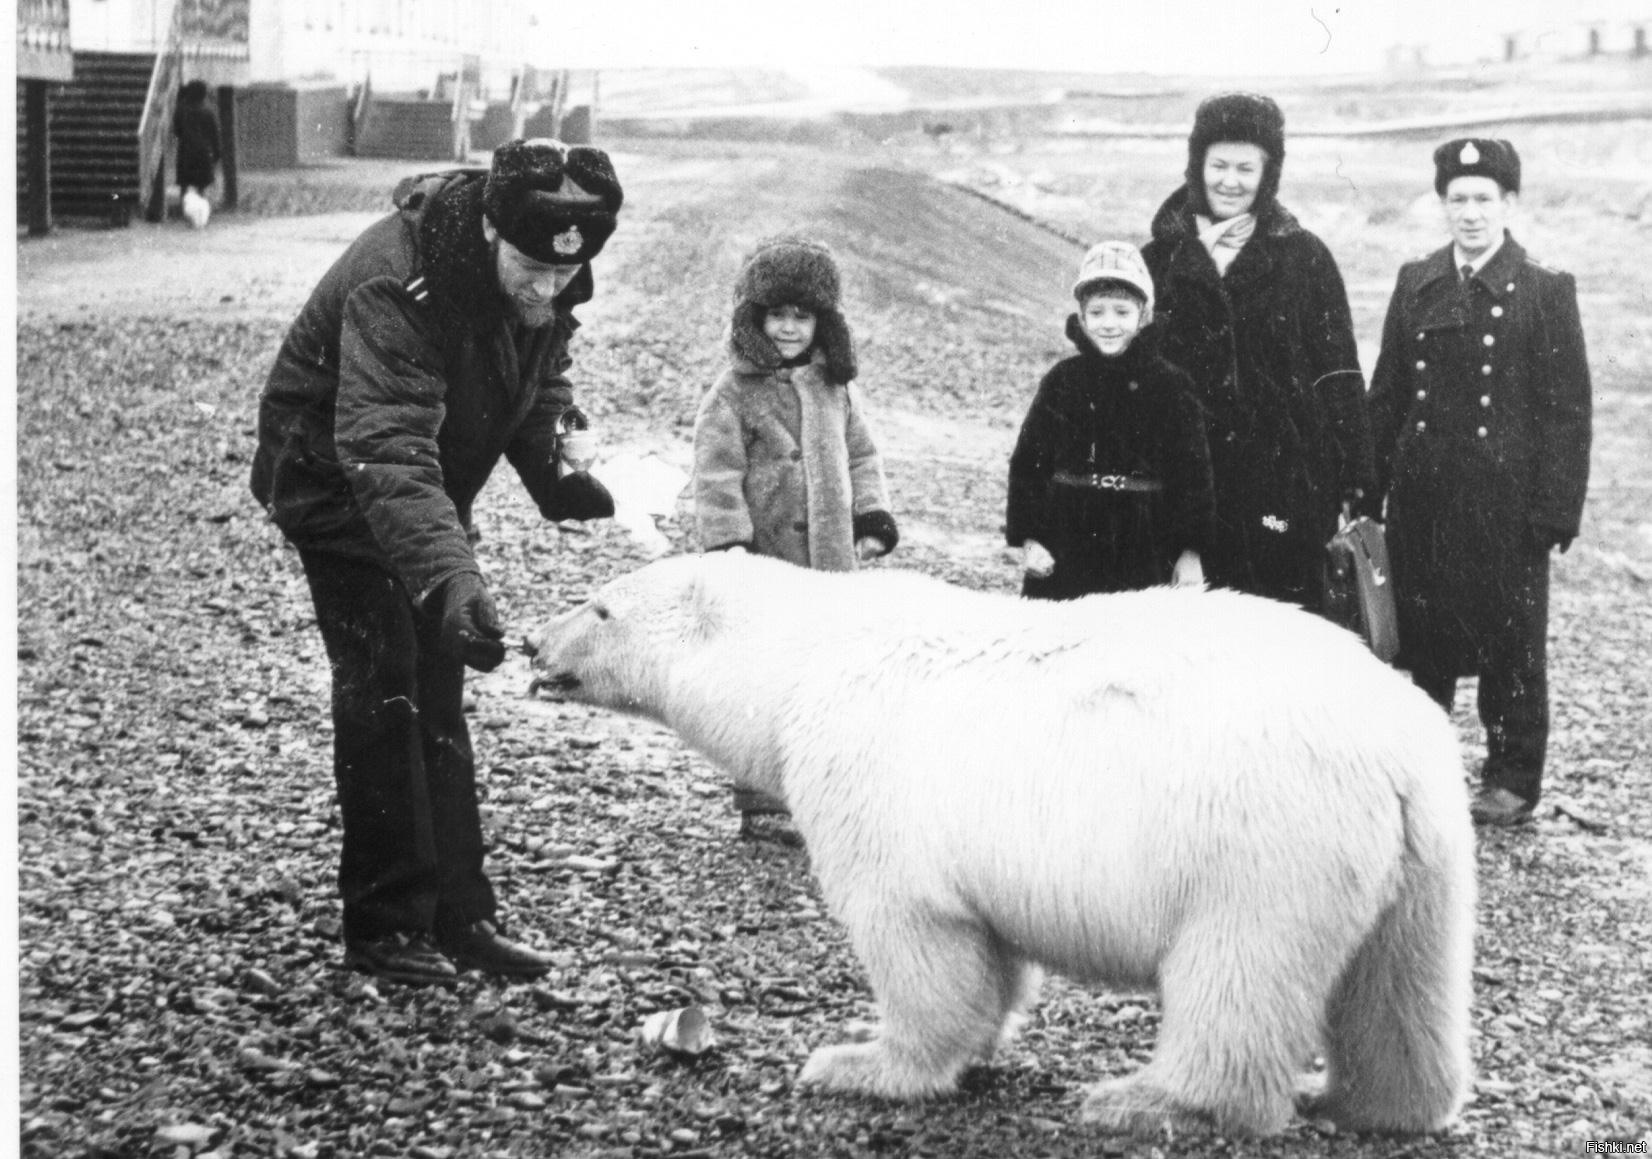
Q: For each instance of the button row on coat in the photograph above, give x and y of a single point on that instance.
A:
(1488, 340)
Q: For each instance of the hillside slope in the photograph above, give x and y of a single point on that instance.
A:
(930, 272)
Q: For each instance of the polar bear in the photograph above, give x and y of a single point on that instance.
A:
(1209, 793)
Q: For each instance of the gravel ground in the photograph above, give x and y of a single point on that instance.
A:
(179, 983)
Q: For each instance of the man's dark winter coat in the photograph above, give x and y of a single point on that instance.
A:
(1131, 415)
(400, 385)
(1481, 407)
(1270, 348)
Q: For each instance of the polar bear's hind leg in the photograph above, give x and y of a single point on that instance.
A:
(1241, 1011)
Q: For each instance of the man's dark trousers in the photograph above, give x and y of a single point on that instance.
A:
(412, 858)
(1514, 690)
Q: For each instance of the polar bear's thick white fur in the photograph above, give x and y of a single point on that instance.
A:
(1210, 793)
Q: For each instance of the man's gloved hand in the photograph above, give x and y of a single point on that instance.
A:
(579, 496)
(470, 623)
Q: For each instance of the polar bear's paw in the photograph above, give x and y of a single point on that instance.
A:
(1137, 1106)
(869, 1068)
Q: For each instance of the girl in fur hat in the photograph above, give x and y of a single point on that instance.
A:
(1110, 480)
(784, 462)
(1253, 308)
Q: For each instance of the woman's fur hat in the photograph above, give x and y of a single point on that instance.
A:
(791, 271)
(1250, 118)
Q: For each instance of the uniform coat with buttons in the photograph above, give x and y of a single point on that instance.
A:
(1481, 409)
(1133, 416)
(785, 465)
(1270, 347)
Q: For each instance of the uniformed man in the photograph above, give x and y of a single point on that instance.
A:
(433, 347)
(1481, 415)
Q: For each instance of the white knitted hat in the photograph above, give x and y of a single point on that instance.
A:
(1116, 261)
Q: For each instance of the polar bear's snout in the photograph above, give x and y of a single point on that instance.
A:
(548, 655)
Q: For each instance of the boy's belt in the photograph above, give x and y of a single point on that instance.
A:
(1108, 482)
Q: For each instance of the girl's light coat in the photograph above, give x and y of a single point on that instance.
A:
(783, 462)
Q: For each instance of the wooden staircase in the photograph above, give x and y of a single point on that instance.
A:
(94, 137)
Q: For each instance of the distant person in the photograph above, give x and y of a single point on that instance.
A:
(195, 126)
(1110, 485)
(1481, 407)
(784, 460)
(1253, 308)
(435, 345)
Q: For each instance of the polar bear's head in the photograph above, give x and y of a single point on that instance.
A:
(619, 648)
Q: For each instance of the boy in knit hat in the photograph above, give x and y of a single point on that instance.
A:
(784, 460)
(1110, 484)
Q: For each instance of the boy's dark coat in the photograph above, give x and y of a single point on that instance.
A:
(1134, 415)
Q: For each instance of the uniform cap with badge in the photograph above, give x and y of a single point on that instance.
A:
(1477, 157)
(556, 203)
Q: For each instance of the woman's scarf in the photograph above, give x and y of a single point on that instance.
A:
(1224, 239)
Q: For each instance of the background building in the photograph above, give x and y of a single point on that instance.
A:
(296, 80)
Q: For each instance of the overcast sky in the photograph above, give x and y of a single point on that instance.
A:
(1159, 36)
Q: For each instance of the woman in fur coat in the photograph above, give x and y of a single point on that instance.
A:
(784, 462)
(1253, 308)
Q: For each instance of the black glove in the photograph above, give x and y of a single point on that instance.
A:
(1545, 537)
(578, 496)
(878, 525)
(470, 623)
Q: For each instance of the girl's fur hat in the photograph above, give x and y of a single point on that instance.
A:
(1248, 118)
(791, 271)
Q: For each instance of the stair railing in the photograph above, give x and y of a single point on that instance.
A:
(468, 84)
(362, 109)
(518, 105)
(155, 145)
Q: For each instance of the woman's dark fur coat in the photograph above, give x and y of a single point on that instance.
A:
(1270, 348)
(1133, 414)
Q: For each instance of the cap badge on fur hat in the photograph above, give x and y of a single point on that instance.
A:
(568, 241)
(1470, 155)
(554, 202)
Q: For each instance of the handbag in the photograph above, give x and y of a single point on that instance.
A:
(1359, 588)
(197, 209)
